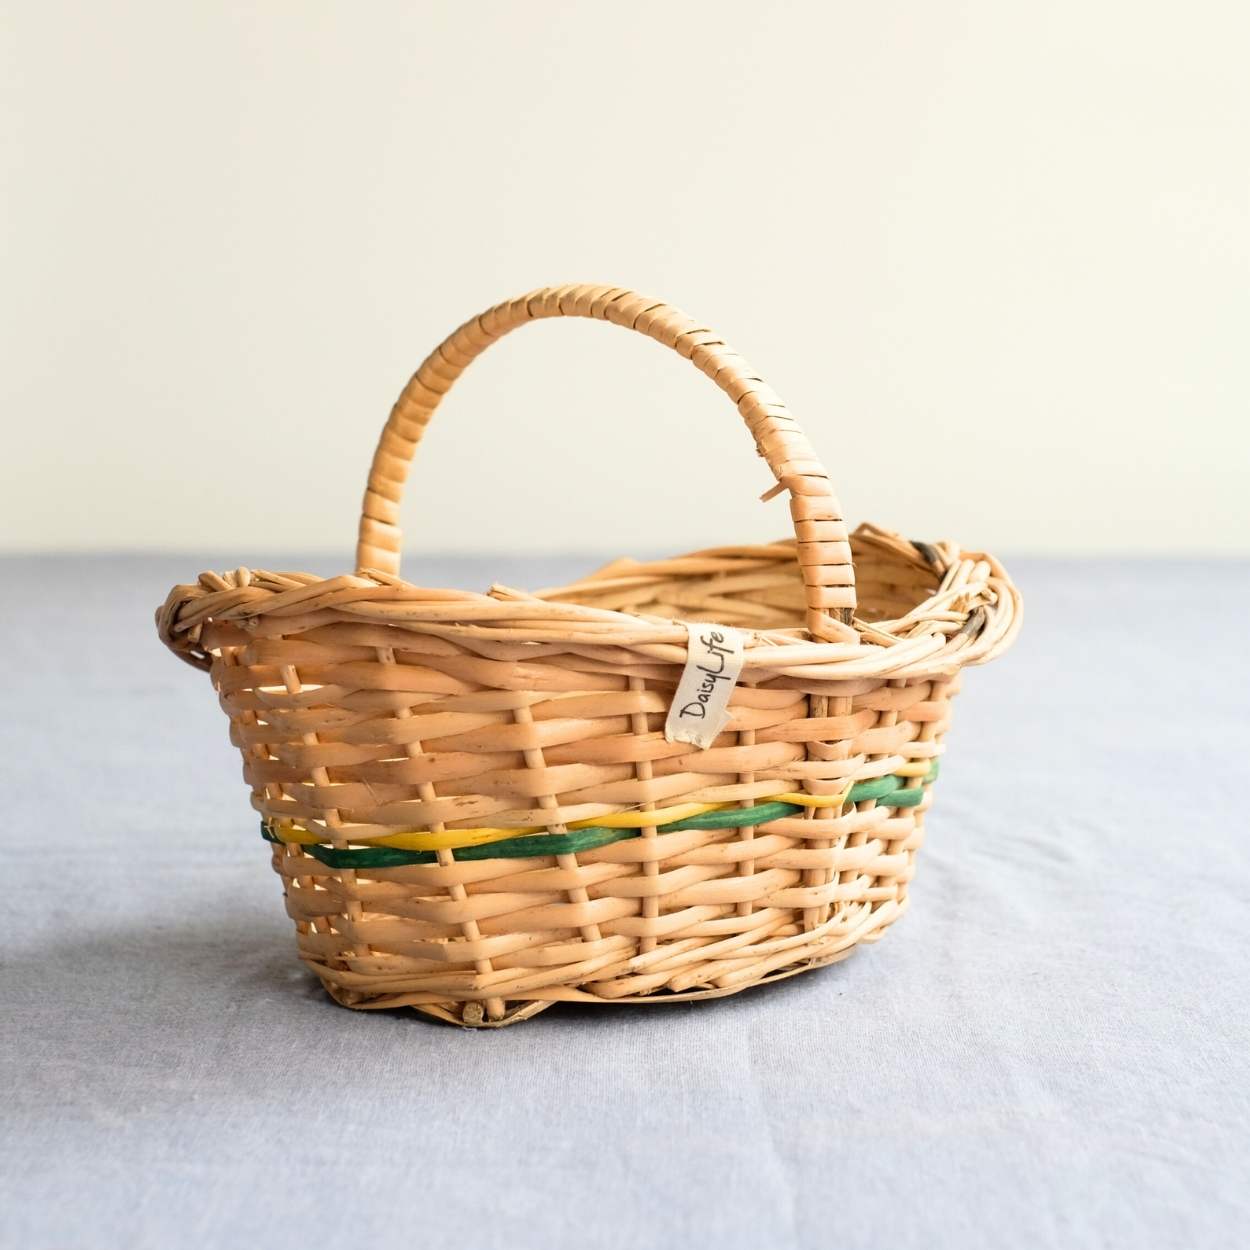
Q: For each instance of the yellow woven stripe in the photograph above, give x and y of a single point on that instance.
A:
(811, 800)
(417, 840)
(288, 832)
(451, 839)
(645, 820)
(917, 768)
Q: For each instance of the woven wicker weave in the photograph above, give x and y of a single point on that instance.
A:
(516, 741)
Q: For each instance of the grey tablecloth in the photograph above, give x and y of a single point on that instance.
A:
(1050, 1050)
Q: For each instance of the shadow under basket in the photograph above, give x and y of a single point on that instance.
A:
(479, 804)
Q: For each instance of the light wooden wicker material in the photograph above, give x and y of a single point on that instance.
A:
(366, 707)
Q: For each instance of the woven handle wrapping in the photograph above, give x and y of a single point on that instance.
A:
(824, 552)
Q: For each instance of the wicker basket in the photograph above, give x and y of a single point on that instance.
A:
(480, 804)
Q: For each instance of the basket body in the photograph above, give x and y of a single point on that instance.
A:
(351, 710)
(476, 804)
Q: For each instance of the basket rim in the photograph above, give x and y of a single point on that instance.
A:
(972, 617)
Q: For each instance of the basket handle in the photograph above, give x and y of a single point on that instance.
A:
(824, 552)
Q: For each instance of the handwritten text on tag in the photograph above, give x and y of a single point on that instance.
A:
(700, 706)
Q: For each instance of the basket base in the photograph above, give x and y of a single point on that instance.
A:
(467, 1015)
(477, 1014)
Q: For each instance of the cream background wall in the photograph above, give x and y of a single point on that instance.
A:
(996, 256)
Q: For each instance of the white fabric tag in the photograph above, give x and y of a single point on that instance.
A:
(700, 705)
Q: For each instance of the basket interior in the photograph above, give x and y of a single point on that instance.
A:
(755, 587)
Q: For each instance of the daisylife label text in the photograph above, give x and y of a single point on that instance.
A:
(700, 704)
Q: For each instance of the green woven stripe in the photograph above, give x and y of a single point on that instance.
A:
(877, 788)
(527, 846)
(906, 798)
(512, 848)
(546, 844)
(734, 817)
